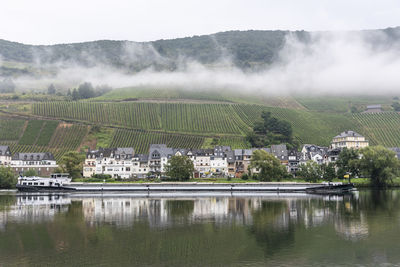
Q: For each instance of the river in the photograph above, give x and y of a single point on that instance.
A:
(216, 230)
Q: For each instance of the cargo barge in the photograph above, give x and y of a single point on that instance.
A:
(59, 182)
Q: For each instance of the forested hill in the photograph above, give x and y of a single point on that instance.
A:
(246, 49)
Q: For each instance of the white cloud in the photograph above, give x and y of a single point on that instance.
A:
(338, 63)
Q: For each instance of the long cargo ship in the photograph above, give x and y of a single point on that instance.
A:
(61, 182)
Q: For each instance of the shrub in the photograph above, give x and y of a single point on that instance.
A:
(101, 176)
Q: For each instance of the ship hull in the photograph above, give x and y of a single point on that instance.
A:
(31, 188)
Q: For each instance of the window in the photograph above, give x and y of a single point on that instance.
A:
(41, 183)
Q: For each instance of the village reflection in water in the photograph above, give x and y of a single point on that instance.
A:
(158, 212)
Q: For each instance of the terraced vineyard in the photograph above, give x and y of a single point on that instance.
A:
(46, 133)
(11, 129)
(31, 132)
(40, 136)
(194, 125)
(68, 136)
(136, 115)
(141, 140)
(381, 128)
(201, 118)
(188, 118)
(204, 95)
(234, 142)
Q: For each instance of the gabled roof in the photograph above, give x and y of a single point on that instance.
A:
(160, 149)
(348, 134)
(142, 157)
(182, 151)
(378, 106)
(33, 156)
(203, 152)
(5, 151)
(280, 151)
(230, 156)
(315, 149)
(101, 152)
(108, 152)
(124, 150)
(220, 151)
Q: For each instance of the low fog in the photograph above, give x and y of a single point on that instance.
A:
(329, 63)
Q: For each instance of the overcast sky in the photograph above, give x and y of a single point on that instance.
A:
(66, 21)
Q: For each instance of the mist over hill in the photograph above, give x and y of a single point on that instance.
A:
(271, 62)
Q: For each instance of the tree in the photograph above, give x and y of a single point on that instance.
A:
(379, 163)
(348, 163)
(270, 130)
(75, 94)
(269, 167)
(8, 179)
(30, 173)
(396, 106)
(85, 90)
(354, 109)
(72, 163)
(310, 172)
(51, 90)
(7, 86)
(329, 172)
(180, 168)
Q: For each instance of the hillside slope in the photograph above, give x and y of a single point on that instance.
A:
(62, 126)
(224, 120)
(246, 49)
(204, 95)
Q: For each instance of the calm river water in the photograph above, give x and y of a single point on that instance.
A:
(267, 230)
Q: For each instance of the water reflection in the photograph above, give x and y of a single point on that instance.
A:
(31, 208)
(259, 212)
(211, 230)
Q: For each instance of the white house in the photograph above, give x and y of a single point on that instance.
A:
(158, 157)
(219, 164)
(43, 163)
(140, 165)
(349, 139)
(202, 161)
(116, 162)
(5, 156)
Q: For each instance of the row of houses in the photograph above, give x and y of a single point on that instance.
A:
(43, 163)
(123, 162)
(220, 161)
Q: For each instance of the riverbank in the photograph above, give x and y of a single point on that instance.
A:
(358, 182)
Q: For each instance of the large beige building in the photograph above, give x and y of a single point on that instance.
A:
(349, 139)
